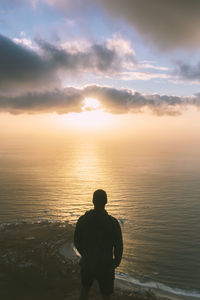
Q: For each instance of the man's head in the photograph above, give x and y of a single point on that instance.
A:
(99, 199)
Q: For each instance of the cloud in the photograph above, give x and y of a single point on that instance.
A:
(26, 68)
(116, 101)
(98, 57)
(150, 65)
(22, 67)
(29, 78)
(127, 100)
(168, 24)
(187, 71)
(135, 75)
(61, 101)
(120, 45)
(24, 41)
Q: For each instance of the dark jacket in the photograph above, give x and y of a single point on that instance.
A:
(98, 239)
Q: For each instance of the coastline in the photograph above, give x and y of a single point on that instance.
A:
(124, 283)
(38, 258)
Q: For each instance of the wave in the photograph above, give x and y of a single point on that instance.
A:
(156, 286)
(19, 221)
(30, 221)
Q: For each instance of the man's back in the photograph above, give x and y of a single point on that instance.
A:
(98, 239)
(96, 235)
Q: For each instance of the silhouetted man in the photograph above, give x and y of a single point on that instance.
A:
(98, 239)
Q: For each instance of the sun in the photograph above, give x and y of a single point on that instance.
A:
(91, 104)
(92, 118)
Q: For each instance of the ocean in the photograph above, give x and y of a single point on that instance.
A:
(153, 190)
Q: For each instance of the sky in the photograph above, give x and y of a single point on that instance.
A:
(132, 57)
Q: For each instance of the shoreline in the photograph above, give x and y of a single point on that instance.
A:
(124, 282)
(41, 256)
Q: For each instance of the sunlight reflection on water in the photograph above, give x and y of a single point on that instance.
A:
(156, 192)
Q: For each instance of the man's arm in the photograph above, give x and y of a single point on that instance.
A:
(118, 244)
(77, 237)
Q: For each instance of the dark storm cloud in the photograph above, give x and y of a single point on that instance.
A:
(169, 24)
(23, 67)
(112, 100)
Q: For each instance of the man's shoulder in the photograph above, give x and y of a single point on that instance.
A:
(90, 215)
(86, 215)
(113, 220)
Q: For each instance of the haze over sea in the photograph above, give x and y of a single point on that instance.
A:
(153, 189)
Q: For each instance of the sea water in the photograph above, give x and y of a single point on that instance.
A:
(152, 190)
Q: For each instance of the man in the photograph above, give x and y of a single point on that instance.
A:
(98, 239)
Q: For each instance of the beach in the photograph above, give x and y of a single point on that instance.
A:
(37, 261)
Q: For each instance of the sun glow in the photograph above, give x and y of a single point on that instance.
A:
(91, 104)
(92, 118)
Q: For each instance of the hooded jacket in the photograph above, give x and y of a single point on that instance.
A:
(98, 239)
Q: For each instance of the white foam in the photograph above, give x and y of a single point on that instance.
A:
(157, 286)
(122, 220)
(30, 221)
(69, 251)
(2, 225)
